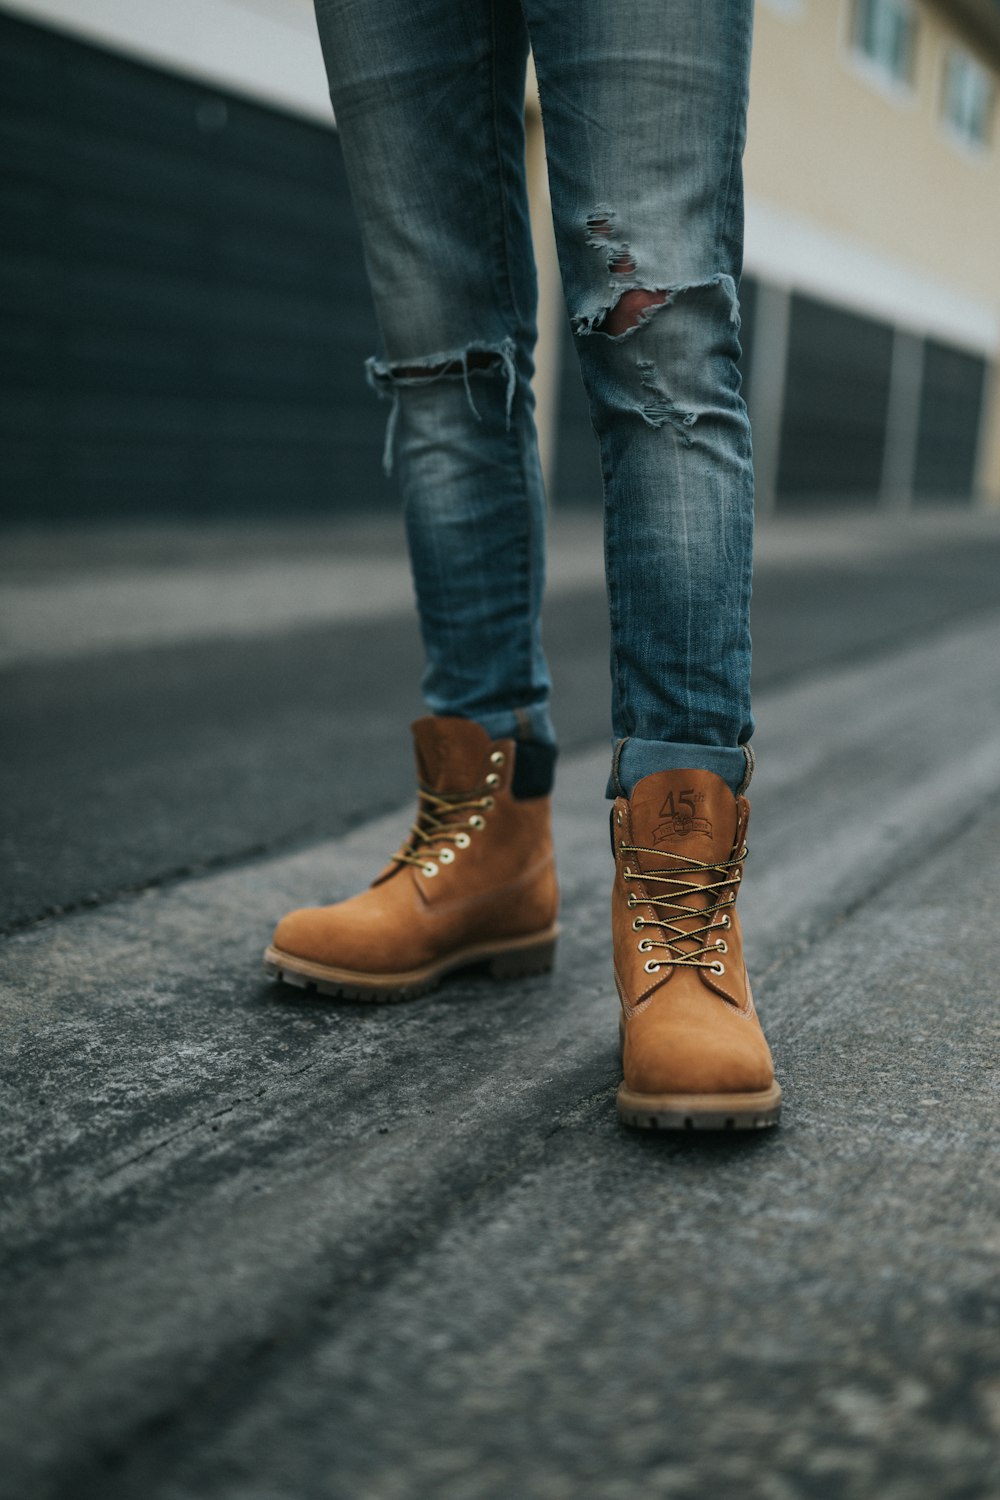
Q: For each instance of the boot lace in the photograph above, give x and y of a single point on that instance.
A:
(440, 825)
(678, 914)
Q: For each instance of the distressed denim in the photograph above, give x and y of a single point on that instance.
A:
(644, 107)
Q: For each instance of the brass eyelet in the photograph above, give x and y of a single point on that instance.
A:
(446, 856)
(430, 870)
(717, 968)
(722, 946)
(645, 945)
(726, 922)
(651, 966)
(476, 821)
(462, 840)
(638, 923)
(493, 779)
(497, 758)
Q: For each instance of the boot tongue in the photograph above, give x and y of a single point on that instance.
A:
(689, 813)
(692, 815)
(451, 753)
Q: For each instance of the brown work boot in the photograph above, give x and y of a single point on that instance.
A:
(474, 883)
(693, 1053)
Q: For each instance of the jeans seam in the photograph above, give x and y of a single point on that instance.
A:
(614, 615)
(498, 159)
(739, 113)
(527, 550)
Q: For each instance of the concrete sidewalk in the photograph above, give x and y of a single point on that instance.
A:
(260, 1247)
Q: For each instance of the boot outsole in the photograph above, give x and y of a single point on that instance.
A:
(516, 958)
(756, 1111)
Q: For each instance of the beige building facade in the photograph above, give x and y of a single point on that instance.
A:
(873, 183)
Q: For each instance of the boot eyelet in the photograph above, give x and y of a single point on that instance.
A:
(645, 946)
(476, 822)
(430, 870)
(726, 922)
(462, 840)
(493, 779)
(717, 968)
(651, 966)
(638, 921)
(618, 819)
(487, 803)
(446, 856)
(497, 758)
(722, 946)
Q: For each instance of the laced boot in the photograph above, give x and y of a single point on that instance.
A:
(693, 1053)
(473, 883)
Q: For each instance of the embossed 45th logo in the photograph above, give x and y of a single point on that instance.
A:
(682, 817)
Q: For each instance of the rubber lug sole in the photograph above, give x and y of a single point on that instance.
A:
(756, 1111)
(516, 958)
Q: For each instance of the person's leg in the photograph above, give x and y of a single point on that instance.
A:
(429, 102)
(429, 98)
(644, 106)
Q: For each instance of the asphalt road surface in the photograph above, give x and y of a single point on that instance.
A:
(260, 1247)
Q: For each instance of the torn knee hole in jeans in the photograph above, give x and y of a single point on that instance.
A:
(388, 379)
(627, 314)
(602, 234)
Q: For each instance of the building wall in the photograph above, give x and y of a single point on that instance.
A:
(878, 227)
(183, 309)
(872, 165)
(187, 315)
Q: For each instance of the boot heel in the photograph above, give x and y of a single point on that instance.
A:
(520, 962)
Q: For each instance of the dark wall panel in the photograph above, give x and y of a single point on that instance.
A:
(836, 400)
(951, 400)
(183, 309)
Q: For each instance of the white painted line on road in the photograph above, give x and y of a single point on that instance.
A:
(69, 618)
(217, 590)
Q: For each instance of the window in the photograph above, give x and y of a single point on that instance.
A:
(884, 32)
(967, 102)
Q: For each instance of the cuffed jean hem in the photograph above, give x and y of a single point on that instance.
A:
(519, 724)
(634, 759)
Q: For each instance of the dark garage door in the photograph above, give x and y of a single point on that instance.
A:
(836, 401)
(183, 308)
(950, 405)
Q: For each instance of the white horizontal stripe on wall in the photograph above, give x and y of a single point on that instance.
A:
(793, 252)
(267, 49)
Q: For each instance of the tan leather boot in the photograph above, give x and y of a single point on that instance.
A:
(474, 883)
(693, 1052)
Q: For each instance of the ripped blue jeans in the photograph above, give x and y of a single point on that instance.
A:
(644, 107)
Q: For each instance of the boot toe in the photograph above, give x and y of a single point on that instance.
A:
(668, 1062)
(349, 936)
(300, 933)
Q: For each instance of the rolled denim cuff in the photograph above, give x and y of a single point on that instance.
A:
(531, 723)
(633, 759)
